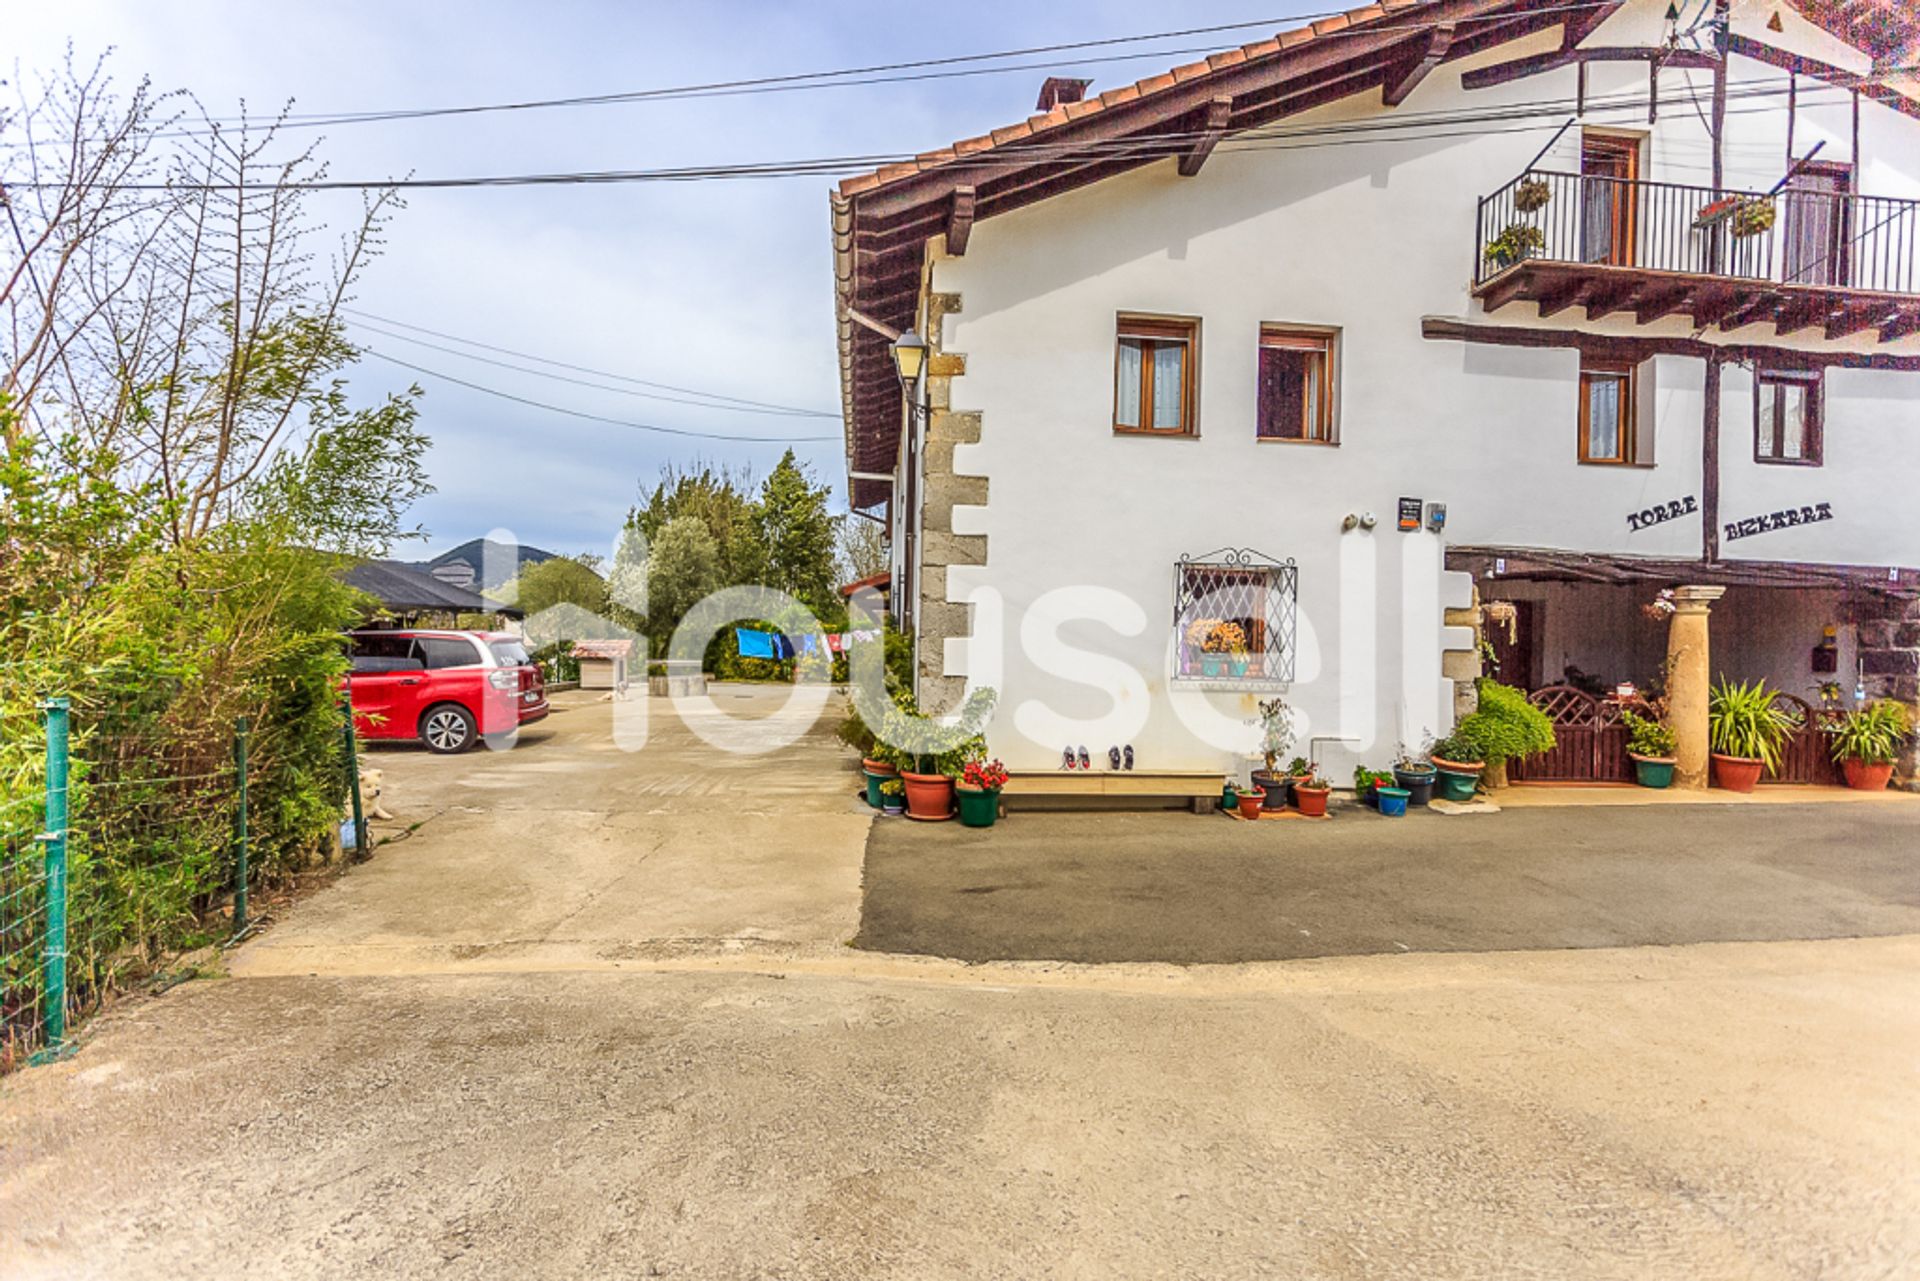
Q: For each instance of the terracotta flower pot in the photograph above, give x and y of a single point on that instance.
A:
(1865, 777)
(929, 796)
(1313, 800)
(881, 768)
(1250, 804)
(1737, 773)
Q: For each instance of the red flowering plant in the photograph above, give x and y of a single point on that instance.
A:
(987, 776)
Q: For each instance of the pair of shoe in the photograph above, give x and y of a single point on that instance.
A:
(1077, 758)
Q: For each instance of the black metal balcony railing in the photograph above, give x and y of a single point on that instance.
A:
(1818, 238)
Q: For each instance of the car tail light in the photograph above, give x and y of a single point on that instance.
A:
(504, 678)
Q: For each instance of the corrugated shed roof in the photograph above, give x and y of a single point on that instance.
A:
(405, 590)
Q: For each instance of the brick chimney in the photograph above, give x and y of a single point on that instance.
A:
(1059, 89)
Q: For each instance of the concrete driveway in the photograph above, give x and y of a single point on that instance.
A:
(570, 850)
(597, 1017)
(1208, 889)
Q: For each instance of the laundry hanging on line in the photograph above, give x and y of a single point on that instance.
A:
(774, 645)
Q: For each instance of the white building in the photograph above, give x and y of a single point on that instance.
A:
(1200, 343)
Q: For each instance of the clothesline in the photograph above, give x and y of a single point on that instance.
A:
(778, 645)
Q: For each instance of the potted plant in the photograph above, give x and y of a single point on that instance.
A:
(1753, 217)
(1458, 760)
(1532, 194)
(1313, 795)
(1415, 773)
(893, 796)
(1651, 745)
(1200, 638)
(1515, 243)
(1391, 801)
(979, 792)
(933, 752)
(1276, 736)
(1368, 782)
(1251, 803)
(1868, 743)
(1745, 731)
(1298, 769)
(876, 772)
(1224, 642)
(1505, 726)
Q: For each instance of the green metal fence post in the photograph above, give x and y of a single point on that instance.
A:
(353, 783)
(54, 965)
(240, 826)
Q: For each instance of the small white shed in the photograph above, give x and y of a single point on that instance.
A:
(603, 663)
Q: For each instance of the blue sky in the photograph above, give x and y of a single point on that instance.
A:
(724, 286)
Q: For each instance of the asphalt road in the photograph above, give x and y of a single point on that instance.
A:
(598, 1017)
(1207, 889)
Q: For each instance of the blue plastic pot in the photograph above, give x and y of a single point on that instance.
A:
(1393, 801)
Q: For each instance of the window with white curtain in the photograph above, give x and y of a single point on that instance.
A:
(1154, 366)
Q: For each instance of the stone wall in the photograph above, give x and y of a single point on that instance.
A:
(1889, 631)
(943, 489)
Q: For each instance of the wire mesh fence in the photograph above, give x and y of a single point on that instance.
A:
(124, 850)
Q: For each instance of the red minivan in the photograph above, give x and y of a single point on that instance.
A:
(447, 689)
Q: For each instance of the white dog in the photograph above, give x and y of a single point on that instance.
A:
(370, 780)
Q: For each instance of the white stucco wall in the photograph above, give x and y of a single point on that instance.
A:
(1368, 237)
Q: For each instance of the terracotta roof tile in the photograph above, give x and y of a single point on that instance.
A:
(1065, 113)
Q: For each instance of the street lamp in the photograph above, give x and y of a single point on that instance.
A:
(909, 357)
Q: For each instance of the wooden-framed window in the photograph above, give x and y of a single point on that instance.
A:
(1787, 413)
(1155, 362)
(1608, 392)
(1297, 380)
(1234, 619)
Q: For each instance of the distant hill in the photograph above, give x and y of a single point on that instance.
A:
(464, 566)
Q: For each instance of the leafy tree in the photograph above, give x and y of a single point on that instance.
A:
(562, 580)
(799, 533)
(720, 498)
(683, 567)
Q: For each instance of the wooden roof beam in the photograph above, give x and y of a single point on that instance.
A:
(1905, 325)
(960, 220)
(1852, 320)
(1661, 304)
(1567, 294)
(1619, 297)
(1219, 111)
(1540, 63)
(1431, 52)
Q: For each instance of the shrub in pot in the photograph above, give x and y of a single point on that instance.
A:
(1744, 731)
(1868, 743)
(1276, 736)
(1313, 794)
(932, 752)
(1505, 727)
(1368, 782)
(1251, 803)
(1651, 745)
(979, 792)
(1457, 762)
(1415, 773)
(893, 796)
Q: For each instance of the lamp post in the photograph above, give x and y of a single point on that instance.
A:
(910, 362)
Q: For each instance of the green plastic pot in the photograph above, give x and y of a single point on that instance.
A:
(873, 788)
(1653, 771)
(978, 807)
(1456, 785)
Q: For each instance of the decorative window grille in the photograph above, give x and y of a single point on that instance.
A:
(1233, 619)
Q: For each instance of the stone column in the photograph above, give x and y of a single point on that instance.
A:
(1689, 680)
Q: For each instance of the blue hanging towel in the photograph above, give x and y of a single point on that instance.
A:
(755, 644)
(782, 647)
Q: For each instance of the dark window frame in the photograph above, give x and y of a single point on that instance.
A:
(1326, 342)
(1151, 332)
(1777, 381)
(1626, 372)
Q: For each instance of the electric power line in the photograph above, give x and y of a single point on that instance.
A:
(829, 79)
(598, 418)
(712, 400)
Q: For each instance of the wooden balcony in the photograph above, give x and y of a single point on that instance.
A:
(1799, 260)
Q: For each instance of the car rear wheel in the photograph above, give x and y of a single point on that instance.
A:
(447, 728)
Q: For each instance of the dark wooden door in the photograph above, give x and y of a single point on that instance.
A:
(1819, 226)
(1516, 658)
(1609, 196)
(1807, 755)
